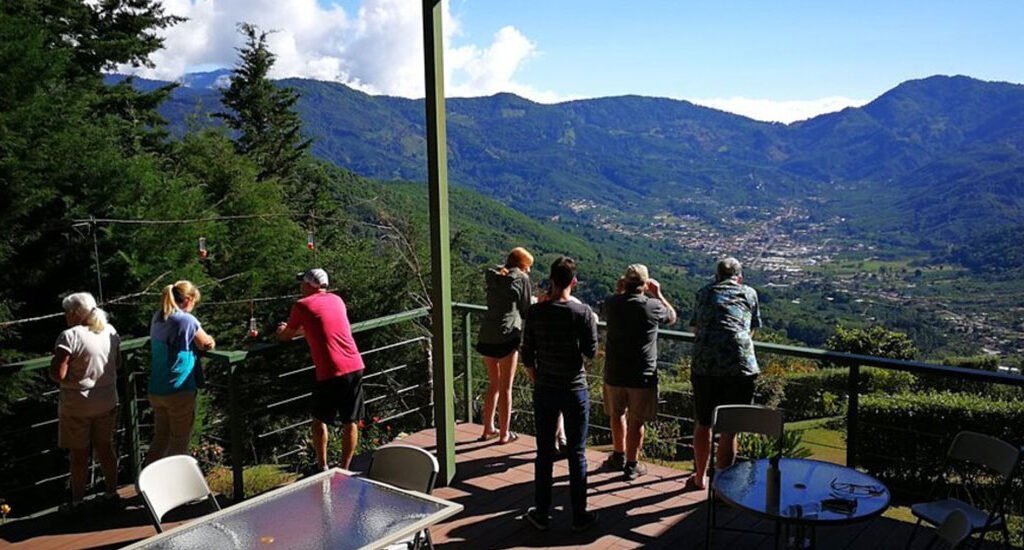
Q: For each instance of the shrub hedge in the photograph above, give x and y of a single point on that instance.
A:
(903, 438)
(823, 393)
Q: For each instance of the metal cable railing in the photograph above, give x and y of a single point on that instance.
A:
(235, 406)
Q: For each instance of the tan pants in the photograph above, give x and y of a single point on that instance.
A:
(173, 418)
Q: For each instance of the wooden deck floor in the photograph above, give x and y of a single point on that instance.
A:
(495, 485)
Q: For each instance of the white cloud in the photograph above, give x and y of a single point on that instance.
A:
(770, 110)
(378, 49)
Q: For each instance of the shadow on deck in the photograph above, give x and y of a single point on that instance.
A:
(495, 485)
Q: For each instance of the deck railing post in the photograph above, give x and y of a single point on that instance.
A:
(131, 429)
(440, 240)
(467, 348)
(237, 434)
(853, 404)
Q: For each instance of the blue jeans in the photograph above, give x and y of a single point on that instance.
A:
(574, 406)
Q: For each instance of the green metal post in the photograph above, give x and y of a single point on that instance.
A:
(852, 414)
(467, 348)
(132, 417)
(237, 434)
(440, 261)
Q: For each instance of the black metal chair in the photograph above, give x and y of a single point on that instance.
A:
(999, 458)
(737, 419)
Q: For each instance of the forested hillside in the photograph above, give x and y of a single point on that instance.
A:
(922, 145)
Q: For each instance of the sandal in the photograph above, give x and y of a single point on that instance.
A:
(512, 436)
(487, 437)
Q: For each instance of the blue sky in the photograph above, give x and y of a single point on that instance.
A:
(783, 50)
(782, 60)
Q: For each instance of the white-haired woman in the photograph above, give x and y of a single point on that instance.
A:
(85, 360)
(175, 339)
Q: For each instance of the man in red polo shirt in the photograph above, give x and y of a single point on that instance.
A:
(338, 393)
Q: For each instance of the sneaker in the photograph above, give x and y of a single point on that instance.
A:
(111, 501)
(588, 521)
(616, 461)
(539, 521)
(633, 470)
(71, 508)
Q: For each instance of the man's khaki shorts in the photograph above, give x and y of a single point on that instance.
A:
(640, 403)
(78, 432)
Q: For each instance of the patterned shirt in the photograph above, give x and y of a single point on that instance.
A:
(556, 338)
(724, 314)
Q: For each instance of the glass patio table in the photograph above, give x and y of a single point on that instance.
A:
(802, 500)
(333, 509)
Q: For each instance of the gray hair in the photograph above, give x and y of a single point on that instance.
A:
(728, 268)
(83, 305)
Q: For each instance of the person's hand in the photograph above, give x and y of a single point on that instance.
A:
(654, 287)
(280, 327)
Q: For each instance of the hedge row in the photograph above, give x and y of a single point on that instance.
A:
(823, 393)
(904, 438)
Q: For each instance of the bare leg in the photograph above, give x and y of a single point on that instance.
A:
(349, 440)
(634, 439)
(701, 454)
(320, 443)
(79, 459)
(618, 426)
(108, 462)
(560, 431)
(506, 376)
(490, 396)
(727, 448)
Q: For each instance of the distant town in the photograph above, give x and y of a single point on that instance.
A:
(800, 256)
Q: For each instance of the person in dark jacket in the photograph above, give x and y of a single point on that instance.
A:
(508, 298)
(559, 333)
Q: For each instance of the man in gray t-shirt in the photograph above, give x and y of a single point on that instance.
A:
(631, 364)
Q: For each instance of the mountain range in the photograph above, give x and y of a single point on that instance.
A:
(940, 158)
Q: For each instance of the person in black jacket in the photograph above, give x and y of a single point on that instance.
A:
(558, 334)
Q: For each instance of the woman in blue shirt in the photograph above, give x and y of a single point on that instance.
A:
(175, 338)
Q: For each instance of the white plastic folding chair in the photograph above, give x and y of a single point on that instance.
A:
(737, 419)
(171, 482)
(406, 467)
(953, 530)
(979, 450)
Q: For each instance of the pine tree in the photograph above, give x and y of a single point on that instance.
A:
(262, 114)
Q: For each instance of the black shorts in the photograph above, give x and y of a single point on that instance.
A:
(339, 399)
(712, 391)
(497, 351)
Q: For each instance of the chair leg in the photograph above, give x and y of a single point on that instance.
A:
(430, 541)
(912, 535)
(709, 527)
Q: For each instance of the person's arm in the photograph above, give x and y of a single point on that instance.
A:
(588, 334)
(529, 349)
(293, 328)
(59, 365)
(654, 287)
(525, 296)
(203, 341)
(755, 314)
(693, 316)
